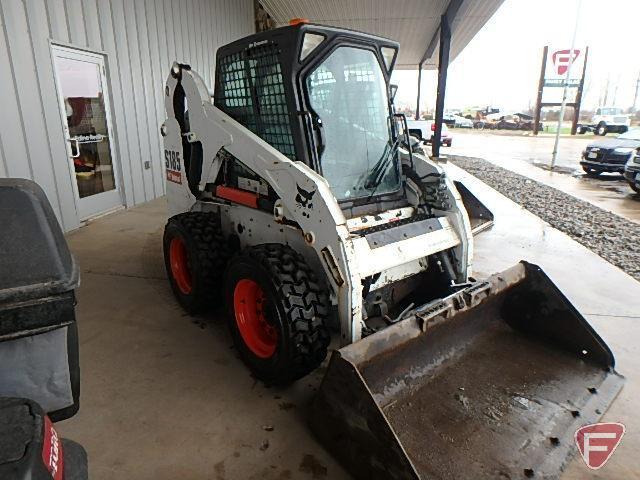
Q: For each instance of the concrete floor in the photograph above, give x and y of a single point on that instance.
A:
(164, 397)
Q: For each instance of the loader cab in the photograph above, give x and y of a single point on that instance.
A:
(320, 95)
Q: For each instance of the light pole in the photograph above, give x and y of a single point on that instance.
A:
(563, 105)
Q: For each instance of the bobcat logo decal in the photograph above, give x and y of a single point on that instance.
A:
(303, 199)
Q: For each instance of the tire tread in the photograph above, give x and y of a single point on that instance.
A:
(213, 253)
(305, 302)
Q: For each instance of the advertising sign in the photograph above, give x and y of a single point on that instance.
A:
(557, 67)
(561, 67)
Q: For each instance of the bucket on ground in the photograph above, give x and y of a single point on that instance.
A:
(491, 382)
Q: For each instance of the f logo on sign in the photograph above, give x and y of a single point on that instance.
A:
(598, 441)
(562, 58)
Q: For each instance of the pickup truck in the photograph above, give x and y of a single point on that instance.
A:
(423, 130)
(605, 120)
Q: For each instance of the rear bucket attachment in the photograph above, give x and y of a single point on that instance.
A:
(491, 382)
(480, 216)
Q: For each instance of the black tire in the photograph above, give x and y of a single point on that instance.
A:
(207, 253)
(592, 172)
(634, 187)
(297, 307)
(601, 129)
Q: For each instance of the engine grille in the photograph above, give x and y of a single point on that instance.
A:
(398, 223)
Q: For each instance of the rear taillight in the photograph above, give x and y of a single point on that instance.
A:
(52, 451)
(433, 127)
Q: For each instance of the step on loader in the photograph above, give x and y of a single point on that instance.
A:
(297, 200)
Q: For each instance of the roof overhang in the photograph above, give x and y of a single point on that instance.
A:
(412, 23)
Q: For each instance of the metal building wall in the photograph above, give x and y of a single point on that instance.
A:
(140, 38)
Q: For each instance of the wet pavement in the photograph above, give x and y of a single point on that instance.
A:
(520, 153)
(504, 148)
(609, 235)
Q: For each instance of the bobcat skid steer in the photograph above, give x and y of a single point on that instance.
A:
(297, 200)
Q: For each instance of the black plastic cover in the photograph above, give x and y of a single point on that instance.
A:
(18, 426)
(34, 256)
(22, 424)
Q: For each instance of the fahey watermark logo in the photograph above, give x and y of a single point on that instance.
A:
(598, 441)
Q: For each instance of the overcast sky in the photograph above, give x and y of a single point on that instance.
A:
(501, 65)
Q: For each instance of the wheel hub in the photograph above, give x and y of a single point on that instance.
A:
(250, 304)
(179, 262)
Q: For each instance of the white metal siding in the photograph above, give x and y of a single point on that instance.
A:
(140, 38)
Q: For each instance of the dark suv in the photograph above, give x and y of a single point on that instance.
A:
(632, 172)
(610, 155)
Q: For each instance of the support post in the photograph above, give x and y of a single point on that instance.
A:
(443, 65)
(417, 116)
(578, 101)
(536, 115)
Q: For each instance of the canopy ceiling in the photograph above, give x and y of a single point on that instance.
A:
(412, 23)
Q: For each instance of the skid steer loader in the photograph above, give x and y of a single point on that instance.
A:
(296, 199)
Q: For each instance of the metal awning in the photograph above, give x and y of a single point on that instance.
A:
(412, 23)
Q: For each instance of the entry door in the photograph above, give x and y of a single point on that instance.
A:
(84, 101)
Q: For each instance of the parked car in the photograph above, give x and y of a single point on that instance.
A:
(424, 129)
(461, 122)
(449, 119)
(605, 120)
(632, 172)
(516, 121)
(507, 122)
(610, 155)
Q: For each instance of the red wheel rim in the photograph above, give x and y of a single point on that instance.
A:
(249, 304)
(179, 262)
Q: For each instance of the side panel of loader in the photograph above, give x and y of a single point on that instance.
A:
(491, 382)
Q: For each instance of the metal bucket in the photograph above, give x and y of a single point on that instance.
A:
(491, 382)
(480, 217)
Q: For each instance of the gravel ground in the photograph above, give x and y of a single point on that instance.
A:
(614, 238)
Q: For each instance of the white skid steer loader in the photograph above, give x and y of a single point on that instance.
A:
(296, 198)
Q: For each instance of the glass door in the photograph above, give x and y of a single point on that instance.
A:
(84, 101)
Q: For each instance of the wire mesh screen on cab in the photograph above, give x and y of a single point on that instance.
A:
(253, 93)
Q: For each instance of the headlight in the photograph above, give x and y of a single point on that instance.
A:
(623, 150)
